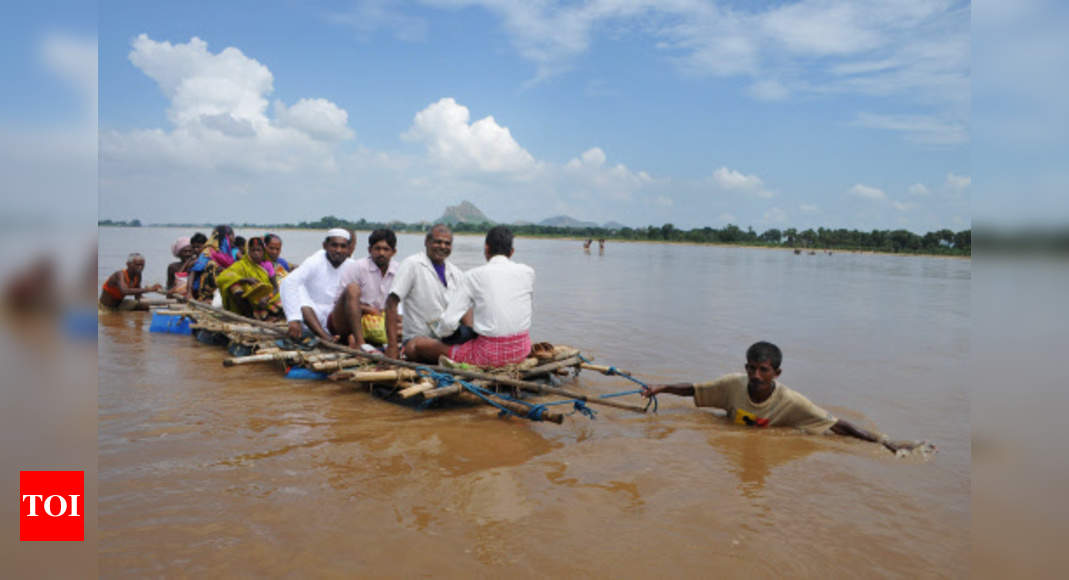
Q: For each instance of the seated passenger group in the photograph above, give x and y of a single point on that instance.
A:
(481, 317)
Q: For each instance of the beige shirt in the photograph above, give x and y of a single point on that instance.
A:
(784, 408)
(422, 294)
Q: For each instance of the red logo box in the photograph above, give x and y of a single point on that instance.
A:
(52, 506)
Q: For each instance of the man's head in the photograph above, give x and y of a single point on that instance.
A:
(763, 360)
(439, 243)
(381, 246)
(197, 241)
(255, 250)
(135, 262)
(272, 246)
(336, 245)
(239, 243)
(498, 242)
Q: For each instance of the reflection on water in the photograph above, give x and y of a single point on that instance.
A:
(213, 471)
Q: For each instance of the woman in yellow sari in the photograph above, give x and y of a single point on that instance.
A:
(247, 287)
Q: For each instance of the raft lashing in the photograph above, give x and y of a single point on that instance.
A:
(530, 389)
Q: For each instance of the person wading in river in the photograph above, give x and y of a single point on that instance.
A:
(757, 399)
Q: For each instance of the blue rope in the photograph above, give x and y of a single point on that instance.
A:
(614, 371)
(534, 411)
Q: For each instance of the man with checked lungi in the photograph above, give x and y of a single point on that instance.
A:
(500, 294)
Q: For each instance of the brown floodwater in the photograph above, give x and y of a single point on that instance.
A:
(213, 471)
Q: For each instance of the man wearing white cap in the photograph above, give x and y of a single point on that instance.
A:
(316, 294)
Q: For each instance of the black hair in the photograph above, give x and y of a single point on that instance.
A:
(269, 237)
(499, 240)
(383, 234)
(198, 238)
(765, 352)
(257, 240)
(239, 242)
(223, 231)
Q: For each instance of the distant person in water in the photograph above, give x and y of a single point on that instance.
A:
(126, 282)
(757, 399)
(423, 283)
(601, 246)
(586, 244)
(315, 295)
(500, 297)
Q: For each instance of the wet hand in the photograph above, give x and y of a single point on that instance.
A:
(293, 329)
(653, 390)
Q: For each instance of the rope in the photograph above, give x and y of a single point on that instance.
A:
(652, 400)
(534, 411)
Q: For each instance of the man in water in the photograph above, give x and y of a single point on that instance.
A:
(314, 294)
(125, 283)
(757, 399)
(373, 275)
(423, 281)
(500, 296)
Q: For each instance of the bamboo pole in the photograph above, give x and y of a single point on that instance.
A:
(380, 358)
(386, 376)
(424, 385)
(603, 369)
(550, 367)
(260, 357)
(518, 408)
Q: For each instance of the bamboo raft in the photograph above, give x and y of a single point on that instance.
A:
(530, 389)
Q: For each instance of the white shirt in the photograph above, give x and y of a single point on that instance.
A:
(422, 293)
(502, 294)
(316, 283)
(374, 287)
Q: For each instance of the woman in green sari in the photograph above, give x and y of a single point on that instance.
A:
(248, 288)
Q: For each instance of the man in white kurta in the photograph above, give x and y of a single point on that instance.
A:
(500, 295)
(423, 282)
(314, 296)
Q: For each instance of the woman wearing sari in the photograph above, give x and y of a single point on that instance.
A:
(273, 245)
(249, 286)
(218, 254)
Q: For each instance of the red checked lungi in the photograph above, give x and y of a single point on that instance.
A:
(493, 351)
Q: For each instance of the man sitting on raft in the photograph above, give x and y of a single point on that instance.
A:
(501, 295)
(373, 275)
(125, 283)
(757, 399)
(423, 283)
(316, 295)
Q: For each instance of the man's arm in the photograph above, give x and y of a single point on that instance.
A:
(458, 310)
(681, 389)
(393, 346)
(849, 429)
(312, 321)
(135, 291)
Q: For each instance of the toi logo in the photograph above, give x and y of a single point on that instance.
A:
(51, 506)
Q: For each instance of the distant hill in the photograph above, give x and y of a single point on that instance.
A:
(613, 226)
(465, 212)
(563, 221)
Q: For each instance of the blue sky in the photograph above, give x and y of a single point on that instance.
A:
(796, 114)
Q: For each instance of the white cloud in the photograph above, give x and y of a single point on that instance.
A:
(319, 118)
(480, 146)
(917, 128)
(903, 205)
(808, 208)
(775, 215)
(867, 192)
(958, 183)
(368, 16)
(918, 189)
(218, 109)
(732, 180)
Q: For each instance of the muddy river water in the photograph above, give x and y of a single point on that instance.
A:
(213, 471)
